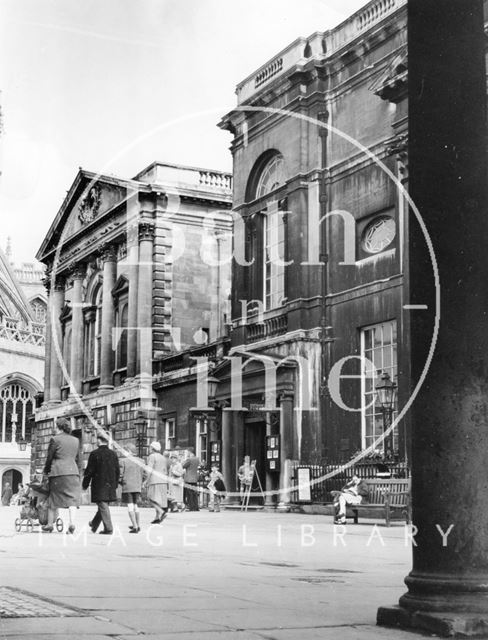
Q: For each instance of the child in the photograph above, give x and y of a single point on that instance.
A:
(131, 478)
(216, 488)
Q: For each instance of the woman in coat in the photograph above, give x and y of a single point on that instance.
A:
(157, 482)
(62, 468)
(176, 473)
(131, 478)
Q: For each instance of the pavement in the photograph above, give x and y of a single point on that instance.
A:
(202, 576)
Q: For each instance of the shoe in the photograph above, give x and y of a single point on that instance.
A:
(90, 524)
(133, 530)
(71, 528)
(155, 521)
(340, 521)
(105, 533)
(47, 528)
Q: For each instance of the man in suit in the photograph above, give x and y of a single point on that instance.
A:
(190, 495)
(103, 473)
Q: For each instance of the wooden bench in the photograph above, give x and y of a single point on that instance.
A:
(392, 495)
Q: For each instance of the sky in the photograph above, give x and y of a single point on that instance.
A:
(112, 85)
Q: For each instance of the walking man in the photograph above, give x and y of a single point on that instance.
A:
(103, 473)
(190, 495)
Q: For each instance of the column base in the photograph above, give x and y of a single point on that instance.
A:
(283, 507)
(446, 625)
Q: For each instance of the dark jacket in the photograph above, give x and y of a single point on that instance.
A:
(190, 465)
(103, 473)
(62, 456)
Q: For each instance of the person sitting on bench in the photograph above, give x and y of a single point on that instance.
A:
(351, 493)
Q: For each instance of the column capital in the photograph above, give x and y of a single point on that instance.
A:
(59, 283)
(146, 231)
(108, 253)
(284, 396)
(78, 271)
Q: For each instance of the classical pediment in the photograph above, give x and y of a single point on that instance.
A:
(391, 85)
(86, 202)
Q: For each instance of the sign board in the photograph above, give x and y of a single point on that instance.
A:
(273, 461)
(304, 489)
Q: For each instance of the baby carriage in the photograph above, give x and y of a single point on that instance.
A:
(33, 509)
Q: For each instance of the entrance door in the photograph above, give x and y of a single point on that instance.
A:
(254, 447)
(13, 477)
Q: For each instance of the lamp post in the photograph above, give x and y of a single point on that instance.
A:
(140, 425)
(385, 396)
(22, 444)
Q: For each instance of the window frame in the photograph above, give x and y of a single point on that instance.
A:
(368, 397)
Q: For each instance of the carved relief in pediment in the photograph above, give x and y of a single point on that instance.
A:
(89, 205)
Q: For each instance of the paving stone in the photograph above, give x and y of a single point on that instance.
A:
(15, 603)
(63, 627)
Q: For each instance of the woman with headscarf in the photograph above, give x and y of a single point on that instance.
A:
(176, 488)
(131, 479)
(62, 468)
(157, 482)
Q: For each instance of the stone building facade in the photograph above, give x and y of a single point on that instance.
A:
(318, 280)
(22, 341)
(136, 271)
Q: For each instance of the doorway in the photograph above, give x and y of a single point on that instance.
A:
(13, 477)
(254, 447)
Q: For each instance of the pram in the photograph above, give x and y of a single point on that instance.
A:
(33, 509)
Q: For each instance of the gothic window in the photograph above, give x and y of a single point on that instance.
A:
(16, 405)
(39, 308)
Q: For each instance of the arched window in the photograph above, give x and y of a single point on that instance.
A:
(67, 351)
(272, 176)
(121, 322)
(266, 231)
(120, 294)
(93, 335)
(39, 308)
(16, 405)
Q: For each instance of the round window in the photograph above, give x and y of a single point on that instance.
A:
(379, 234)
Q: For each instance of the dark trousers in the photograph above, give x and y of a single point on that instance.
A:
(190, 496)
(102, 515)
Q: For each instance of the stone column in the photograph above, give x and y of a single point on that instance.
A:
(227, 458)
(144, 299)
(133, 262)
(109, 259)
(286, 447)
(76, 364)
(56, 339)
(48, 346)
(268, 481)
(448, 585)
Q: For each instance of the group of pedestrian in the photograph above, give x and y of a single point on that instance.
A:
(171, 484)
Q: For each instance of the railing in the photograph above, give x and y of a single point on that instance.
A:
(25, 336)
(216, 180)
(320, 488)
(268, 72)
(374, 12)
(269, 328)
(318, 45)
